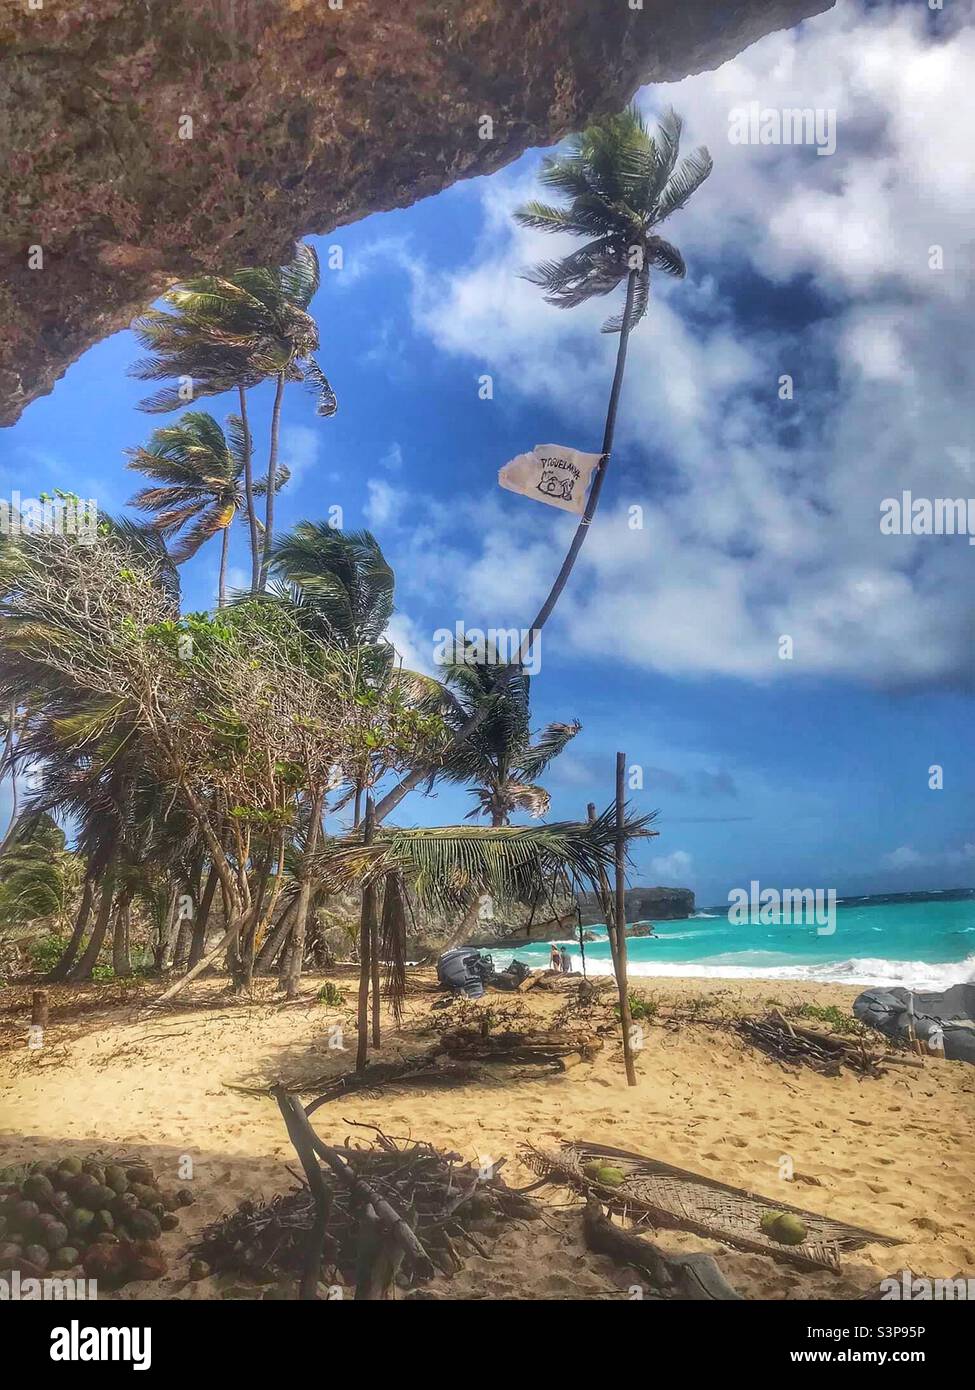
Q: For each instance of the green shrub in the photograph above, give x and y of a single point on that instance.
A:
(330, 995)
(46, 951)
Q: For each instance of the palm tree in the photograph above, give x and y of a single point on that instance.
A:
(37, 873)
(340, 580)
(621, 183)
(238, 330)
(501, 756)
(200, 471)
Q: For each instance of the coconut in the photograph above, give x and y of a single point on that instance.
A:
(123, 1206)
(769, 1219)
(81, 1221)
(94, 1169)
(184, 1197)
(50, 1232)
(115, 1178)
(147, 1196)
(103, 1196)
(592, 1168)
(65, 1258)
(86, 1191)
(10, 1253)
(39, 1188)
(104, 1221)
(144, 1225)
(169, 1222)
(789, 1229)
(71, 1166)
(23, 1214)
(611, 1177)
(106, 1238)
(37, 1256)
(199, 1269)
(107, 1263)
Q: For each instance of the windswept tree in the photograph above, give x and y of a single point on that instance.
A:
(199, 490)
(501, 758)
(231, 332)
(620, 182)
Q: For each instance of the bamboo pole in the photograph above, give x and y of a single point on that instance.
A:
(622, 984)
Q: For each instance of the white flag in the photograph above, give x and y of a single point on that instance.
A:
(551, 473)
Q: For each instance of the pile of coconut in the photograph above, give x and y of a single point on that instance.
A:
(97, 1216)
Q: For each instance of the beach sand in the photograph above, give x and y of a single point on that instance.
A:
(894, 1154)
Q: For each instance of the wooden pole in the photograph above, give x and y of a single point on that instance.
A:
(622, 984)
(366, 944)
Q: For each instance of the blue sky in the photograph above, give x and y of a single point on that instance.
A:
(760, 516)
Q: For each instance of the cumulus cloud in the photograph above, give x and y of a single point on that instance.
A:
(676, 866)
(759, 516)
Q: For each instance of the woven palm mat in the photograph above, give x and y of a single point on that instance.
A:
(655, 1194)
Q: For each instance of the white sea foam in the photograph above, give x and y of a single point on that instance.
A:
(913, 974)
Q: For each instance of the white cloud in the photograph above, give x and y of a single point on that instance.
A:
(761, 516)
(904, 857)
(392, 459)
(300, 445)
(413, 646)
(384, 503)
(676, 867)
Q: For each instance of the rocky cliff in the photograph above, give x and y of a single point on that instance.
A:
(143, 140)
(643, 904)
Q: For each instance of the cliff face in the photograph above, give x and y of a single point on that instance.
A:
(143, 140)
(643, 904)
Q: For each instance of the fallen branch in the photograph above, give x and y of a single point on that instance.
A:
(692, 1277)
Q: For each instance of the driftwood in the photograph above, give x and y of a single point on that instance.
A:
(695, 1277)
(794, 1045)
(556, 1048)
(301, 1135)
(397, 1214)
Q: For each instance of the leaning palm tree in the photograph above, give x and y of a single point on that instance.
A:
(233, 332)
(501, 756)
(198, 470)
(345, 582)
(620, 182)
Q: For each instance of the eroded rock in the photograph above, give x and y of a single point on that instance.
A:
(143, 140)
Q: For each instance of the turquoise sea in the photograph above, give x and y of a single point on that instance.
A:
(926, 942)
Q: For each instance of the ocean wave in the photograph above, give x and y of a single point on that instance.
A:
(913, 974)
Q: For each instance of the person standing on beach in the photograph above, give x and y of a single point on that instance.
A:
(566, 960)
(555, 959)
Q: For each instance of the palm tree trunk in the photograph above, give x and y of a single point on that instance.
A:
(395, 796)
(60, 971)
(202, 918)
(272, 468)
(222, 587)
(249, 490)
(274, 940)
(87, 963)
(121, 964)
(167, 930)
